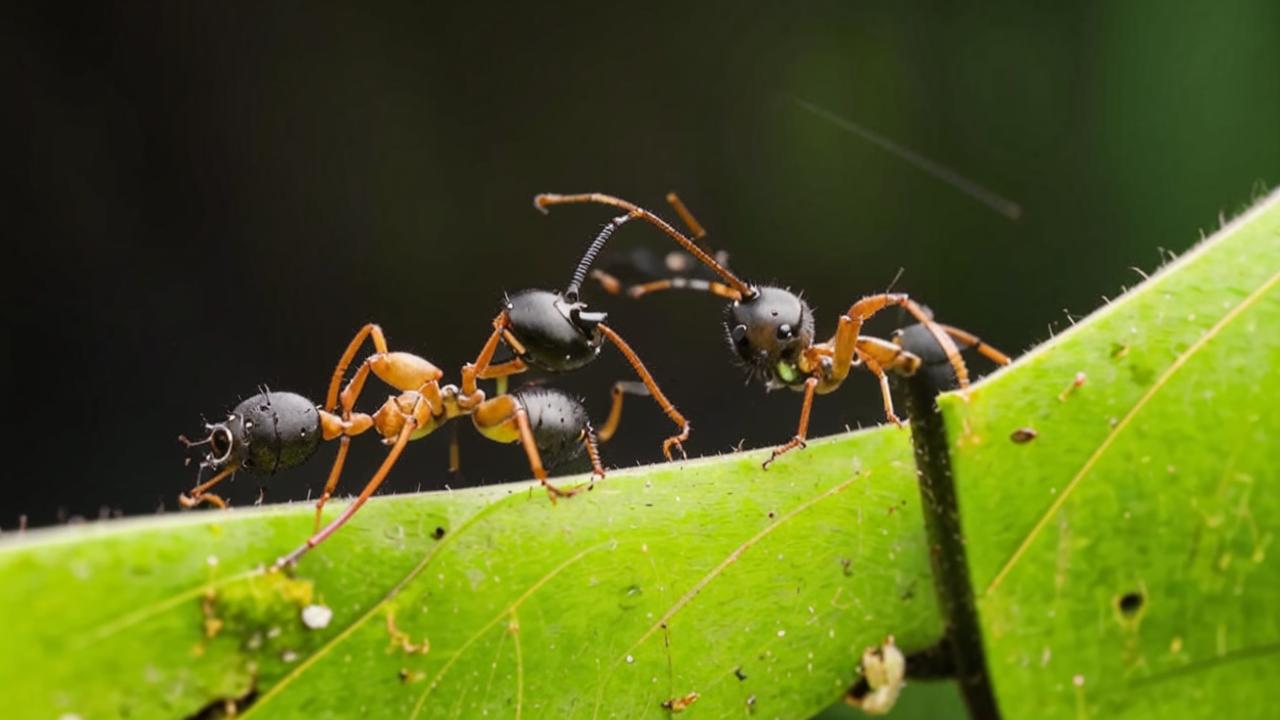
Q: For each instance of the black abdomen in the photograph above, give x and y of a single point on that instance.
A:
(275, 431)
(558, 421)
(935, 368)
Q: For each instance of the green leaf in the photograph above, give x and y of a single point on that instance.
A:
(1123, 560)
(709, 576)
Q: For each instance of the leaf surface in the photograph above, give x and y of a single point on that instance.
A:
(748, 588)
(1123, 560)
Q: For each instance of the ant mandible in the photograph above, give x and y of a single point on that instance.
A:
(771, 329)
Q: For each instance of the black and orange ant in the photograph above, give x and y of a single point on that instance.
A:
(275, 430)
(771, 329)
(551, 331)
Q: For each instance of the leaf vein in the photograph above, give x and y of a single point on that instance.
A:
(509, 610)
(715, 572)
(1097, 454)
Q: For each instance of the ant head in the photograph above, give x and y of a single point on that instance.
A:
(226, 446)
(768, 331)
(557, 332)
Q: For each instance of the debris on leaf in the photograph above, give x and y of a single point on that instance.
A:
(884, 670)
(1023, 435)
(317, 617)
(400, 639)
(679, 704)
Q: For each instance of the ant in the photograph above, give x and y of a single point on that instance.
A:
(771, 329)
(275, 430)
(546, 330)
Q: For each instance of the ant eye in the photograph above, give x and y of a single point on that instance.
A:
(738, 333)
(784, 332)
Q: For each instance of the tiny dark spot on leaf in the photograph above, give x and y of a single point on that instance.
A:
(737, 672)
(1023, 435)
(846, 565)
(439, 533)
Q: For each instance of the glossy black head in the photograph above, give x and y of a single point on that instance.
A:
(558, 421)
(268, 432)
(557, 335)
(768, 331)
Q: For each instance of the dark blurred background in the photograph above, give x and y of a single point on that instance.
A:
(214, 196)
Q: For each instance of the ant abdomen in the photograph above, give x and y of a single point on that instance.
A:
(935, 367)
(558, 421)
(268, 432)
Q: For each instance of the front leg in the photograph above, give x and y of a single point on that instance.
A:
(803, 430)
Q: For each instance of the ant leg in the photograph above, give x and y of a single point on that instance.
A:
(697, 233)
(608, 283)
(654, 390)
(874, 366)
(546, 200)
(504, 369)
(620, 389)
(593, 453)
(925, 318)
(535, 459)
(890, 356)
(614, 286)
(335, 381)
(198, 493)
(455, 454)
(369, 489)
(333, 426)
(469, 396)
(850, 326)
(680, 283)
(803, 430)
(212, 499)
(403, 371)
(968, 340)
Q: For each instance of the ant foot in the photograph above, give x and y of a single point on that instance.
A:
(792, 444)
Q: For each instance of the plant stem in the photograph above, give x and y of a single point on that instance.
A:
(947, 546)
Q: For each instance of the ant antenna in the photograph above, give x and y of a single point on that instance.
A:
(1008, 208)
(545, 200)
(194, 443)
(580, 274)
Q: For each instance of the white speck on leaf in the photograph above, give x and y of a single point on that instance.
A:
(316, 617)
